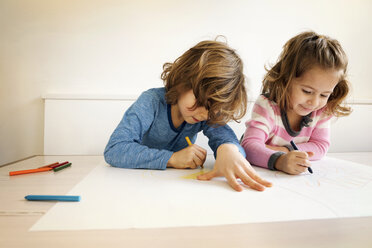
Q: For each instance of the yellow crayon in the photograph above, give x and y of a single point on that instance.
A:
(188, 140)
(190, 144)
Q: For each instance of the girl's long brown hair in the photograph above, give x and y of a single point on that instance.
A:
(300, 54)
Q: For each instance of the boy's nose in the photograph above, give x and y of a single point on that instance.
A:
(204, 114)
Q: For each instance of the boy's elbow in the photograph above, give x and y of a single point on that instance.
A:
(108, 158)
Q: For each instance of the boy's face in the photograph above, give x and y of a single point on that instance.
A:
(311, 91)
(191, 115)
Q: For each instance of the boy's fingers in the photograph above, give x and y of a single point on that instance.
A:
(250, 182)
(233, 182)
(196, 161)
(257, 178)
(230, 179)
(200, 155)
(207, 176)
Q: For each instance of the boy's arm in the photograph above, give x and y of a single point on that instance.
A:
(124, 148)
(221, 135)
(230, 160)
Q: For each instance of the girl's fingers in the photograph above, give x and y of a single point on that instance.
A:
(303, 162)
(300, 169)
(310, 154)
(300, 154)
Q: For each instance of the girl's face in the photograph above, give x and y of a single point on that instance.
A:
(187, 112)
(311, 91)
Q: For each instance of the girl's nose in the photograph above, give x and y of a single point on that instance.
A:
(313, 101)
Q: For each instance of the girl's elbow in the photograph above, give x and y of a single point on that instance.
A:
(321, 151)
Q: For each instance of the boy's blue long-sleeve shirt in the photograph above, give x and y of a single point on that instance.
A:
(146, 137)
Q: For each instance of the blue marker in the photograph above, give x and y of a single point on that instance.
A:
(296, 148)
(74, 198)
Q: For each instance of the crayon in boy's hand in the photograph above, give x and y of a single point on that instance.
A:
(190, 144)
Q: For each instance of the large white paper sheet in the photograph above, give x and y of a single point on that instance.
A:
(113, 198)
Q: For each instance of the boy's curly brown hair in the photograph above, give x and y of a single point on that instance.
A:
(214, 72)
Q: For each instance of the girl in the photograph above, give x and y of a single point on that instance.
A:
(300, 94)
(204, 89)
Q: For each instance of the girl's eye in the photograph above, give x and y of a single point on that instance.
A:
(306, 91)
(325, 96)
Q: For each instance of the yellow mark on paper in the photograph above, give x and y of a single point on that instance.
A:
(194, 175)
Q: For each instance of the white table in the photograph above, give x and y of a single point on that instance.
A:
(17, 216)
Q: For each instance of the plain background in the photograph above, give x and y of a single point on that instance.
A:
(118, 48)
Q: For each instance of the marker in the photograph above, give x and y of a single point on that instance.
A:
(14, 173)
(296, 148)
(49, 165)
(61, 167)
(74, 198)
(190, 144)
(58, 165)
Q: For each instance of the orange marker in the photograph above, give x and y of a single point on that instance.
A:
(14, 173)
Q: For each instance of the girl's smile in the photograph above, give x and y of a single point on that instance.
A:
(310, 91)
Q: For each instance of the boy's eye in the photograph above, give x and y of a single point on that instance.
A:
(306, 91)
(325, 96)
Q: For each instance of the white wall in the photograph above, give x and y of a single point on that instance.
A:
(72, 126)
(119, 47)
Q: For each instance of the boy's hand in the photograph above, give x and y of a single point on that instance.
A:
(294, 162)
(189, 157)
(231, 164)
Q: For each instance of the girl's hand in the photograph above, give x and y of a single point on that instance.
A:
(278, 148)
(231, 164)
(189, 157)
(294, 162)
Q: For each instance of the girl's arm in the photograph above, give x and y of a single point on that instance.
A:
(319, 141)
(124, 148)
(257, 152)
(261, 125)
